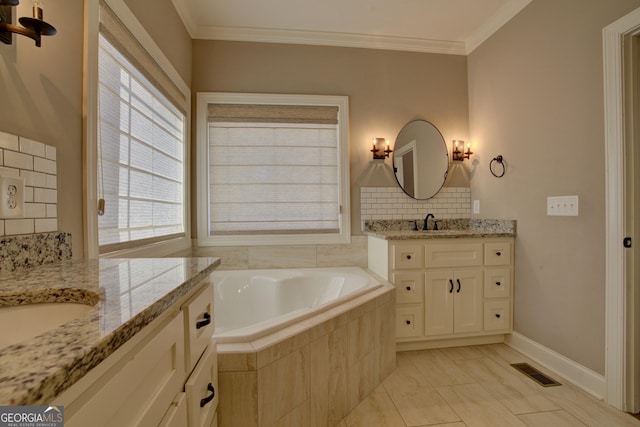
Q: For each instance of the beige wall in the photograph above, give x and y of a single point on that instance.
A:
(41, 90)
(41, 99)
(536, 97)
(386, 89)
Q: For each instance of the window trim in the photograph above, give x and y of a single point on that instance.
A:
(90, 115)
(202, 166)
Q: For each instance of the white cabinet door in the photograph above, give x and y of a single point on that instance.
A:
(438, 303)
(467, 303)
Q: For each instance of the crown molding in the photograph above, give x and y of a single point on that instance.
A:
(185, 14)
(501, 17)
(323, 38)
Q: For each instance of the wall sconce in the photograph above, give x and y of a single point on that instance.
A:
(380, 149)
(459, 155)
(33, 28)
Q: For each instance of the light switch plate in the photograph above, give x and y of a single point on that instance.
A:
(11, 197)
(562, 206)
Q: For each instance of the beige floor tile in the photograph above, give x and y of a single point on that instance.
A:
(588, 409)
(414, 397)
(516, 392)
(438, 369)
(463, 353)
(377, 410)
(551, 419)
(477, 407)
(460, 424)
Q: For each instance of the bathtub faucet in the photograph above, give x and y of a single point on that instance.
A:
(426, 222)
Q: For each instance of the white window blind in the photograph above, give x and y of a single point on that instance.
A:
(273, 169)
(141, 136)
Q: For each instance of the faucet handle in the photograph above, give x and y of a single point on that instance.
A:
(435, 224)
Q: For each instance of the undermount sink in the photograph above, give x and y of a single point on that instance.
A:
(23, 322)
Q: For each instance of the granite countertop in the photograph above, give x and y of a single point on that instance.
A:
(128, 294)
(448, 229)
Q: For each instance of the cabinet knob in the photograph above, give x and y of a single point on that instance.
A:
(210, 397)
(498, 283)
(497, 315)
(498, 253)
(408, 288)
(408, 256)
(408, 322)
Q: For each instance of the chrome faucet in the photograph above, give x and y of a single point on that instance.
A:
(426, 221)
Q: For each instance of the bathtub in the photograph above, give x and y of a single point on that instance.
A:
(300, 346)
(249, 304)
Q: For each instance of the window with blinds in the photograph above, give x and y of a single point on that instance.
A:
(141, 146)
(275, 171)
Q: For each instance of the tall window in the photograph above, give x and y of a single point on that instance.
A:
(276, 169)
(141, 145)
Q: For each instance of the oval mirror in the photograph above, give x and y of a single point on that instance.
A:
(420, 159)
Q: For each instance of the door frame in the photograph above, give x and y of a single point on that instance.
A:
(616, 314)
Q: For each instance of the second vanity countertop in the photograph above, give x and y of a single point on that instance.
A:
(128, 294)
(448, 229)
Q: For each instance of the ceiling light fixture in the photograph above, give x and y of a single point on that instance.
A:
(33, 28)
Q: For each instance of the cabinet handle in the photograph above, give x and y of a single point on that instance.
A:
(459, 286)
(205, 322)
(451, 288)
(498, 283)
(408, 322)
(498, 253)
(408, 288)
(497, 315)
(210, 397)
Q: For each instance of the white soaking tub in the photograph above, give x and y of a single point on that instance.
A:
(300, 346)
(252, 303)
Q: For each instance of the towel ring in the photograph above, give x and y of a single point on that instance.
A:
(499, 160)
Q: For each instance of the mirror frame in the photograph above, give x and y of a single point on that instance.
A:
(396, 150)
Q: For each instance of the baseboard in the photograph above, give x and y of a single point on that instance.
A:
(580, 376)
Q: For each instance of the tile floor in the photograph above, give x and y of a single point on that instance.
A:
(473, 387)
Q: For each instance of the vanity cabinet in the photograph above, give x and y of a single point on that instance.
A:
(448, 290)
(165, 375)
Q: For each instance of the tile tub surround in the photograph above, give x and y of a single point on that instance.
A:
(311, 373)
(448, 228)
(31, 250)
(286, 256)
(130, 294)
(391, 203)
(36, 163)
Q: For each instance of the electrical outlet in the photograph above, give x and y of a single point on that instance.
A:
(11, 197)
(476, 206)
(562, 206)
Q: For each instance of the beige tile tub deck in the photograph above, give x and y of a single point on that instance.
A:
(312, 373)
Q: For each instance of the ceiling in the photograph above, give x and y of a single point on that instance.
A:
(438, 26)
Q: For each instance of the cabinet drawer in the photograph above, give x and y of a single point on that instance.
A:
(453, 254)
(407, 256)
(202, 389)
(409, 287)
(497, 282)
(176, 416)
(139, 392)
(497, 315)
(498, 253)
(198, 324)
(409, 321)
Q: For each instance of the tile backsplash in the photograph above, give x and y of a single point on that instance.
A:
(36, 163)
(382, 203)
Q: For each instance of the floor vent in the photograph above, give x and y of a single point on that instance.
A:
(535, 375)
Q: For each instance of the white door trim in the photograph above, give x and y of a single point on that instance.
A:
(615, 294)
